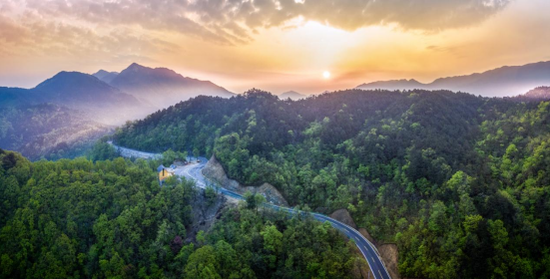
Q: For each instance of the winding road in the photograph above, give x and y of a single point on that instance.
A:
(193, 172)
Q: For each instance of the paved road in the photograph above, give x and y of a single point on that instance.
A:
(132, 153)
(194, 172)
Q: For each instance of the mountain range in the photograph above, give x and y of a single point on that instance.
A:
(500, 82)
(112, 98)
(160, 87)
(77, 91)
(73, 108)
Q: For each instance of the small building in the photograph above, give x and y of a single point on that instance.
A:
(160, 168)
(164, 173)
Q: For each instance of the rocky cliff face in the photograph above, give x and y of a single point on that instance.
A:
(205, 213)
(343, 216)
(215, 172)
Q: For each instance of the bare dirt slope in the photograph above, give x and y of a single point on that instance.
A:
(343, 216)
(390, 255)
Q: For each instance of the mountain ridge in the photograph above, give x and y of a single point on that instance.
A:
(105, 76)
(541, 93)
(162, 86)
(499, 82)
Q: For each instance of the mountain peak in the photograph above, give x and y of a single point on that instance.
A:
(105, 76)
(103, 72)
(147, 72)
(162, 87)
(83, 92)
(100, 72)
(135, 66)
(69, 78)
(69, 74)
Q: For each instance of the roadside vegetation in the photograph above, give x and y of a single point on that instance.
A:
(111, 219)
(459, 182)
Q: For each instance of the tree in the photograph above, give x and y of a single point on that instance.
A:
(202, 264)
(253, 200)
(168, 157)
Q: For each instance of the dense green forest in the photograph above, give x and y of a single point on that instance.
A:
(111, 219)
(461, 183)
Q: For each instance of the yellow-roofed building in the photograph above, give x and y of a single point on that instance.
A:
(164, 173)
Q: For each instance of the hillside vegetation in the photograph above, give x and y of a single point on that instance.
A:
(461, 183)
(111, 219)
(47, 131)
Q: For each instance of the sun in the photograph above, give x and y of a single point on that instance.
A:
(326, 74)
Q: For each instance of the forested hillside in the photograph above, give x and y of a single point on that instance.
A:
(459, 182)
(111, 219)
(47, 131)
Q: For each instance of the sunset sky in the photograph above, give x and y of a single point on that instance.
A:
(275, 45)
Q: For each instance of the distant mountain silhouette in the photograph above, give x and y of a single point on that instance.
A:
(163, 87)
(105, 76)
(71, 110)
(63, 114)
(504, 81)
(76, 89)
(293, 95)
(86, 93)
(401, 84)
(10, 97)
(82, 92)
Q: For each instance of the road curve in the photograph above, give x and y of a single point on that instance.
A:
(194, 172)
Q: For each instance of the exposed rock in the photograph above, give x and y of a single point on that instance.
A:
(270, 193)
(390, 256)
(366, 234)
(343, 216)
(388, 253)
(205, 213)
(215, 172)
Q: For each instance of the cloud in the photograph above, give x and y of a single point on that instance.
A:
(235, 21)
(30, 36)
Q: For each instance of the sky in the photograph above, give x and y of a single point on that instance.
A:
(274, 45)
